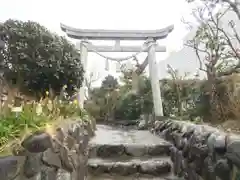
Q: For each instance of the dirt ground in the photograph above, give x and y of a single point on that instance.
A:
(230, 126)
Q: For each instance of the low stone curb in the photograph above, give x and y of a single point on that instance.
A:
(201, 152)
(51, 157)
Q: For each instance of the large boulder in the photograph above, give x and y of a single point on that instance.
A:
(37, 142)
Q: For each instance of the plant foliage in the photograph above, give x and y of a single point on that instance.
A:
(36, 59)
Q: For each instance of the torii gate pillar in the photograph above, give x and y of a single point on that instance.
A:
(83, 57)
(153, 74)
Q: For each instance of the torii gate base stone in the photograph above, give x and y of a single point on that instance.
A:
(117, 35)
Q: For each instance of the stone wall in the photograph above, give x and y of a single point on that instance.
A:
(201, 152)
(61, 155)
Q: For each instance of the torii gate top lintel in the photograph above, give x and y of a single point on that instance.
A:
(100, 34)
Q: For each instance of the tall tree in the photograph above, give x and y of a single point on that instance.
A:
(216, 46)
(36, 59)
(109, 83)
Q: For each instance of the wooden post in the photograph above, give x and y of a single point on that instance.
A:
(157, 99)
(83, 56)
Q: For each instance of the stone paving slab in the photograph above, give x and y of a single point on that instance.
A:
(136, 177)
(134, 159)
(153, 166)
(110, 135)
(127, 150)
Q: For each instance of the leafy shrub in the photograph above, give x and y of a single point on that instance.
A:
(129, 108)
(39, 59)
(34, 116)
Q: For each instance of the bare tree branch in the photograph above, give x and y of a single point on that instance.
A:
(197, 50)
(141, 67)
(234, 5)
(212, 34)
(90, 80)
(235, 31)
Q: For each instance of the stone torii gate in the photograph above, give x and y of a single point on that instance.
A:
(150, 36)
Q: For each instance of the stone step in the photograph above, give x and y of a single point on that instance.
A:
(131, 150)
(154, 166)
(132, 177)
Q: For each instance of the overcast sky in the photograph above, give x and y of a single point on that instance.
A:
(104, 14)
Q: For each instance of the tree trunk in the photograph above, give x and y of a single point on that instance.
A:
(216, 111)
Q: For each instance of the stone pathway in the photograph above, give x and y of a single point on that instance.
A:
(117, 154)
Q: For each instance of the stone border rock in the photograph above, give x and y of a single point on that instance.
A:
(50, 157)
(201, 152)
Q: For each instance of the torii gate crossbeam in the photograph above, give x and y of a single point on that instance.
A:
(117, 35)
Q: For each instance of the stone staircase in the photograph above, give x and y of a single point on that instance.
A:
(118, 154)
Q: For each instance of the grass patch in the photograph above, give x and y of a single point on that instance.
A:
(17, 122)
